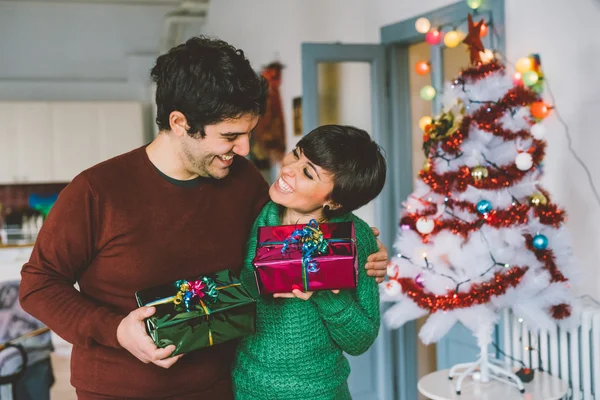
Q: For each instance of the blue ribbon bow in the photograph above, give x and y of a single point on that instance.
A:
(312, 243)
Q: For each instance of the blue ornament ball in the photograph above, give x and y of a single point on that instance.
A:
(484, 206)
(540, 242)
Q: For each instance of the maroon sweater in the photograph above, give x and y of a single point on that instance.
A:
(120, 227)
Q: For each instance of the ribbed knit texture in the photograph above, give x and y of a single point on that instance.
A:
(296, 352)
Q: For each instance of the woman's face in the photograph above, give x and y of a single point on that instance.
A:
(301, 186)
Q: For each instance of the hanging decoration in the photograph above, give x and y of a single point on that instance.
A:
(473, 41)
(268, 140)
(443, 127)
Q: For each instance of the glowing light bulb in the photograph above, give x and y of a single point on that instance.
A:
(422, 25)
(424, 121)
(452, 39)
(524, 64)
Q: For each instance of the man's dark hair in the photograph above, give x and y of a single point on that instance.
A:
(208, 81)
(354, 159)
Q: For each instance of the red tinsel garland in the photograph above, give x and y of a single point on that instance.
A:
(560, 311)
(514, 215)
(550, 214)
(497, 178)
(480, 71)
(479, 293)
(496, 218)
(487, 120)
(546, 257)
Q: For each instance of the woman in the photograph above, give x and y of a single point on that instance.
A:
(296, 351)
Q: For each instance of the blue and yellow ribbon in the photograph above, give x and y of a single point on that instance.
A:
(312, 242)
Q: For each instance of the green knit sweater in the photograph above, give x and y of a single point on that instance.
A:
(296, 352)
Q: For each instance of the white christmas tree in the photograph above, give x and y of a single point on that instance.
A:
(479, 234)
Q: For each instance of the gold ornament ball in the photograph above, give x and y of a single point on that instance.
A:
(479, 173)
(427, 166)
(538, 199)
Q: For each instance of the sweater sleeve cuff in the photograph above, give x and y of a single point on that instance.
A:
(330, 303)
(106, 331)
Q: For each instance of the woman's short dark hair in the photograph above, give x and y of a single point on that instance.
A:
(354, 159)
(208, 81)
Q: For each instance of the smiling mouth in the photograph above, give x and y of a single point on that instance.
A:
(283, 186)
(225, 158)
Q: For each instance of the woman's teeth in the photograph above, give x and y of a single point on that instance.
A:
(284, 187)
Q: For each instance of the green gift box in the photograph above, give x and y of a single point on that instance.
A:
(199, 313)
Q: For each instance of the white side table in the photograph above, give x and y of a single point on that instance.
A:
(437, 386)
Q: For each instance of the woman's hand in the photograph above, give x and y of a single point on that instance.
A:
(297, 293)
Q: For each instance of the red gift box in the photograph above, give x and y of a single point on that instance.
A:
(281, 272)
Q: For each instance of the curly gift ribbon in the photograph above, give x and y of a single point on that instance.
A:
(312, 242)
(192, 291)
(195, 291)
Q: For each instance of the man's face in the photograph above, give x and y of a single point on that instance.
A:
(212, 155)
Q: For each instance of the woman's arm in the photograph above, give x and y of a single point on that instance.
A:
(352, 317)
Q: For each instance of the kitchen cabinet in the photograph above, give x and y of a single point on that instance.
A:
(25, 143)
(8, 126)
(32, 143)
(43, 142)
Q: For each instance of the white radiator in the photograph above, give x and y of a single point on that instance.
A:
(574, 355)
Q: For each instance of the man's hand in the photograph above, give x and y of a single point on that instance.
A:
(377, 262)
(299, 294)
(132, 336)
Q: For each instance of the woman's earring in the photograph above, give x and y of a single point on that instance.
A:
(326, 208)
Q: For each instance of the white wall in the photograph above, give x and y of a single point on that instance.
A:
(70, 51)
(267, 28)
(562, 32)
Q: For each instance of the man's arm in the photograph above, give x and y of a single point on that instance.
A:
(64, 249)
(377, 262)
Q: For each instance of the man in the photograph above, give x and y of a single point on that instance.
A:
(180, 207)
